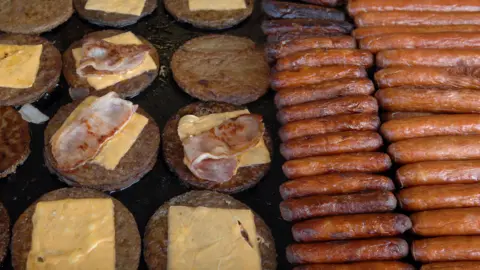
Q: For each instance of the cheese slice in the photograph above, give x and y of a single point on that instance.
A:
(196, 5)
(73, 234)
(104, 81)
(113, 150)
(19, 65)
(129, 7)
(204, 238)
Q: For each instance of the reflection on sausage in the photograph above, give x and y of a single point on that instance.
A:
(445, 222)
(429, 57)
(452, 266)
(358, 6)
(450, 248)
(416, 18)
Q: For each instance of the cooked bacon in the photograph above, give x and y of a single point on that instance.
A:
(82, 139)
(102, 58)
(242, 132)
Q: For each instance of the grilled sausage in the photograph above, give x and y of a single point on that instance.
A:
(324, 27)
(416, 18)
(450, 248)
(333, 184)
(386, 265)
(439, 173)
(324, 90)
(452, 266)
(348, 251)
(370, 162)
(439, 197)
(327, 3)
(282, 37)
(328, 107)
(371, 31)
(387, 116)
(351, 227)
(444, 222)
(288, 10)
(358, 6)
(429, 57)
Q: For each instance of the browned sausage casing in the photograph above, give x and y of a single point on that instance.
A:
(439, 197)
(335, 183)
(460, 221)
(436, 148)
(387, 116)
(371, 31)
(429, 57)
(288, 10)
(452, 266)
(433, 125)
(328, 3)
(358, 6)
(449, 248)
(348, 251)
(325, 57)
(351, 227)
(331, 144)
(314, 75)
(328, 107)
(325, 27)
(282, 37)
(324, 90)
(439, 173)
(386, 265)
(387, 18)
(429, 100)
(372, 162)
(445, 40)
(331, 205)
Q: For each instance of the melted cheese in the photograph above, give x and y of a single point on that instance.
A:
(101, 82)
(195, 5)
(211, 238)
(130, 7)
(73, 234)
(113, 150)
(19, 65)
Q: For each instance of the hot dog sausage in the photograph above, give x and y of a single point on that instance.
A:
(429, 57)
(386, 265)
(331, 205)
(387, 116)
(314, 75)
(357, 6)
(444, 222)
(351, 227)
(416, 18)
(324, 90)
(336, 123)
(324, 57)
(435, 148)
(348, 251)
(439, 197)
(450, 248)
(335, 183)
(371, 31)
(328, 107)
(282, 37)
(451, 266)
(288, 10)
(429, 100)
(331, 144)
(433, 125)
(439, 172)
(328, 3)
(370, 162)
(324, 27)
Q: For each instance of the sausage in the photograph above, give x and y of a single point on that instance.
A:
(446, 40)
(282, 37)
(332, 205)
(439, 197)
(325, 27)
(333, 184)
(452, 266)
(328, 107)
(435, 148)
(429, 100)
(387, 116)
(325, 57)
(445, 222)
(351, 227)
(282, 49)
(416, 18)
(439, 173)
(327, 3)
(449, 248)
(452, 77)
(358, 6)
(429, 57)
(433, 125)
(288, 10)
(348, 251)
(336, 123)
(324, 90)
(370, 162)
(371, 31)
(314, 75)
(331, 144)
(386, 265)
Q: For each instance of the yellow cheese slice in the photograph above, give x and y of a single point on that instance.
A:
(130, 7)
(101, 82)
(196, 5)
(19, 65)
(113, 150)
(73, 234)
(211, 238)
